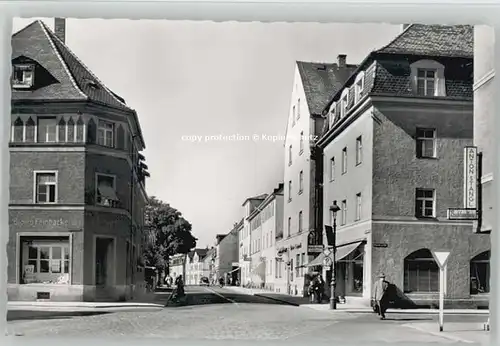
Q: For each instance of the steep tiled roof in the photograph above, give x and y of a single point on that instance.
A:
(201, 253)
(259, 197)
(320, 81)
(434, 40)
(75, 81)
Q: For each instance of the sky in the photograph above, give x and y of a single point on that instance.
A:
(187, 78)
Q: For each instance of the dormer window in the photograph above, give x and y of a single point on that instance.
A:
(344, 103)
(23, 76)
(331, 114)
(358, 87)
(428, 78)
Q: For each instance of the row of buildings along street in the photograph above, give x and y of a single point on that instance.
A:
(385, 142)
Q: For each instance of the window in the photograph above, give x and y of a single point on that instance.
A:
(344, 160)
(289, 226)
(332, 169)
(301, 142)
(344, 104)
(480, 273)
(302, 263)
(289, 191)
(425, 204)
(46, 130)
(301, 182)
(297, 265)
(358, 206)
(46, 187)
(426, 82)
(426, 143)
(298, 109)
(45, 261)
(300, 222)
(358, 87)
(290, 156)
(343, 210)
(105, 133)
(333, 112)
(421, 272)
(106, 190)
(23, 76)
(359, 150)
(293, 115)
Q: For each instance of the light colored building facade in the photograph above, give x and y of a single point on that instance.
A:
(226, 259)
(393, 159)
(177, 265)
(484, 139)
(196, 268)
(245, 240)
(313, 84)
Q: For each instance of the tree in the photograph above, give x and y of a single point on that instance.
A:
(168, 234)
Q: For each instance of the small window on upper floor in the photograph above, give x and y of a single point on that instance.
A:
(332, 114)
(106, 190)
(23, 76)
(106, 133)
(46, 129)
(298, 109)
(358, 87)
(301, 148)
(428, 78)
(293, 116)
(344, 103)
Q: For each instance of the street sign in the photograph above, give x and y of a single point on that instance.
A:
(314, 248)
(441, 257)
(462, 214)
(470, 177)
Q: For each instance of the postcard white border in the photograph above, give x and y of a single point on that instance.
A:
(396, 12)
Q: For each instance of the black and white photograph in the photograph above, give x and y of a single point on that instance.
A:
(198, 180)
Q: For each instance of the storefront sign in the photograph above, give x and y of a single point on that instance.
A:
(314, 248)
(46, 223)
(380, 245)
(470, 176)
(296, 246)
(462, 214)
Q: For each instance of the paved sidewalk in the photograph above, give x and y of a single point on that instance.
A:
(461, 332)
(352, 306)
(79, 306)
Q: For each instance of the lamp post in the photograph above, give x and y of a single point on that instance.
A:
(333, 300)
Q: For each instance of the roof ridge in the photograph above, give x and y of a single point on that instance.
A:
(65, 66)
(89, 70)
(395, 38)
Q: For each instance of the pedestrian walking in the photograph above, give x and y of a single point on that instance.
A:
(310, 290)
(321, 289)
(380, 296)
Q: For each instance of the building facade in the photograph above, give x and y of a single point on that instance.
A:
(177, 265)
(226, 260)
(394, 157)
(313, 84)
(196, 268)
(484, 140)
(77, 181)
(246, 240)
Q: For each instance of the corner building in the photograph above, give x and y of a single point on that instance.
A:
(77, 180)
(393, 157)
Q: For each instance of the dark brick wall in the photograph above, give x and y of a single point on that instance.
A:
(397, 172)
(404, 239)
(70, 167)
(47, 221)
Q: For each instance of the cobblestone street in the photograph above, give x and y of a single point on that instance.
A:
(240, 319)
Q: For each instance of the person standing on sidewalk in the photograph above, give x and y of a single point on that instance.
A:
(380, 296)
(321, 289)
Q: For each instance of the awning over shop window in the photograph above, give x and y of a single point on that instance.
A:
(318, 261)
(107, 192)
(233, 270)
(342, 252)
(346, 250)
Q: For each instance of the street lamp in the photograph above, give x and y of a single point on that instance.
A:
(333, 300)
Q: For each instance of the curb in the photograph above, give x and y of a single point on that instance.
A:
(406, 311)
(442, 335)
(276, 299)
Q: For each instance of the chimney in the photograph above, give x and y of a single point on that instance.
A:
(341, 60)
(60, 28)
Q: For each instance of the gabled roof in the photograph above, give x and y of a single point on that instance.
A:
(73, 80)
(320, 81)
(434, 40)
(259, 197)
(201, 253)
